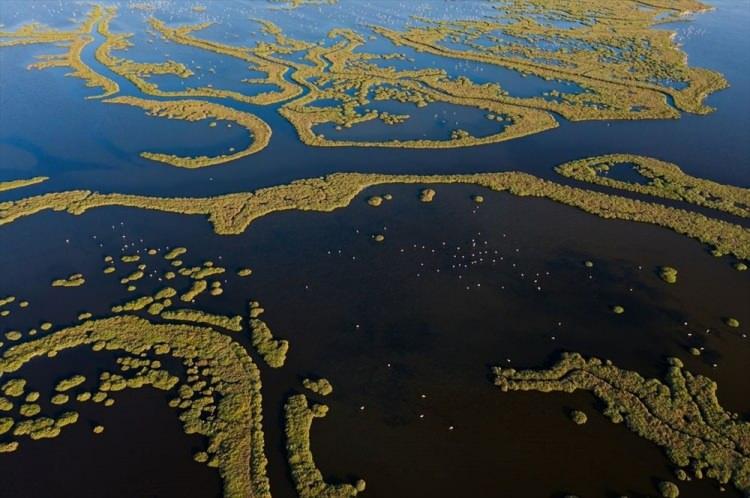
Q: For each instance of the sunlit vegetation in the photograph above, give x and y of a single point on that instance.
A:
(669, 489)
(70, 383)
(427, 195)
(732, 322)
(273, 351)
(233, 213)
(578, 417)
(619, 79)
(320, 386)
(307, 477)
(682, 414)
(228, 412)
(198, 287)
(175, 253)
(665, 180)
(668, 274)
(75, 280)
(14, 387)
(184, 315)
(14, 184)
(195, 110)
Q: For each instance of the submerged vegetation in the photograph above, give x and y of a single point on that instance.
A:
(682, 414)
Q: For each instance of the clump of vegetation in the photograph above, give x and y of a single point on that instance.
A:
(98, 429)
(6, 405)
(230, 323)
(427, 195)
(272, 350)
(60, 399)
(74, 280)
(375, 201)
(8, 447)
(197, 288)
(740, 266)
(321, 386)
(618, 310)
(14, 387)
(244, 272)
(732, 322)
(175, 253)
(682, 415)
(669, 489)
(68, 384)
(578, 417)
(307, 478)
(6, 423)
(378, 237)
(478, 199)
(668, 274)
(255, 309)
(13, 335)
(588, 264)
(29, 409)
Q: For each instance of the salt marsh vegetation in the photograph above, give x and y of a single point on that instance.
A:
(233, 213)
(681, 414)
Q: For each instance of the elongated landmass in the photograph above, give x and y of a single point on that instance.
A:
(231, 420)
(307, 478)
(197, 110)
(14, 184)
(665, 180)
(682, 414)
(233, 213)
(233, 323)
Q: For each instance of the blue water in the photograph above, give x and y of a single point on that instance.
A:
(47, 125)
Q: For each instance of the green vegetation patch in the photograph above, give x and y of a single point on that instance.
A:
(307, 478)
(682, 415)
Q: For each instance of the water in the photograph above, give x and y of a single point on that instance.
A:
(427, 312)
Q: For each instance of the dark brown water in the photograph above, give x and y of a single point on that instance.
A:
(454, 289)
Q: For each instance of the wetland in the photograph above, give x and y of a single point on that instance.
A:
(346, 248)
